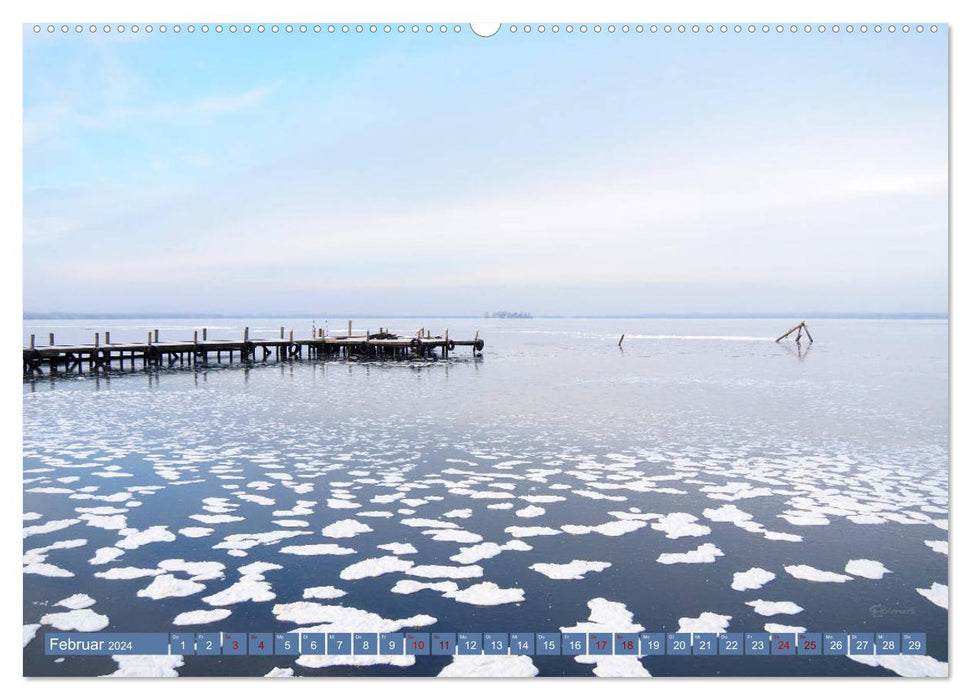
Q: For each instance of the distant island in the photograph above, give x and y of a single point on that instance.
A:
(508, 314)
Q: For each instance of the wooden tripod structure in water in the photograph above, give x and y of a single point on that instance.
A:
(801, 326)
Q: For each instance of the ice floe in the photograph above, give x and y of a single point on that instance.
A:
(313, 550)
(169, 586)
(323, 592)
(83, 620)
(810, 573)
(399, 548)
(489, 667)
(487, 593)
(376, 566)
(706, 622)
(866, 568)
(774, 607)
(77, 601)
(676, 525)
(345, 528)
(937, 594)
(201, 617)
(903, 665)
(752, 579)
(575, 569)
(139, 666)
(704, 554)
(30, 631)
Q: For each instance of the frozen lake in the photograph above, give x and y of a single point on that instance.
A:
(702, 478)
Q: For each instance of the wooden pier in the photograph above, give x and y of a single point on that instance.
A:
(104, 355)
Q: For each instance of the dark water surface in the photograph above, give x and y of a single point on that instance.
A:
(698, 435)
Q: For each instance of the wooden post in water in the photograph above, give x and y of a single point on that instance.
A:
(621, 343)
(801, 326)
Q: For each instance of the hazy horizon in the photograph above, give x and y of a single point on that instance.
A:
(553, 174)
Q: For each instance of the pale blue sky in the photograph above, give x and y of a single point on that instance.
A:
(455, 174)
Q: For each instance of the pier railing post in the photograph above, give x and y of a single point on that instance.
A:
(107, 337)
(156, 335)
(205, 334)
(50, 338)
(97, 340)
(31, 341)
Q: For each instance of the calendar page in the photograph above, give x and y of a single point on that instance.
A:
(438, 349)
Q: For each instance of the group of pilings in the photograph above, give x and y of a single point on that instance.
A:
(382, 345)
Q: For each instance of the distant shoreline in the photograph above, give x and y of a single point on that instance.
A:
(68, 316)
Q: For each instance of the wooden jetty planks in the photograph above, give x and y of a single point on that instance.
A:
(153, 353)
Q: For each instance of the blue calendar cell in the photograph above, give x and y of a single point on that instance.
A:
(234, 644)
(652, 643)
(522, 643)
(913, 643)
(600, 643)
(286, 644)
(495, 643)
(756, 643)
(365, 643)
(418, 643)
(548, 643)
(574, 643)
(626, 644)
(704, 644)
(835, 643)
(443, 643)
(679, 643)
(338, 643)
(731, 644)
(886, 643)
(313, 643)
(391, 643)
(861, 643)
(468, 643)
(182, 643)
(260, 643)
(208, 644)
(809, 644)
(782, 643)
